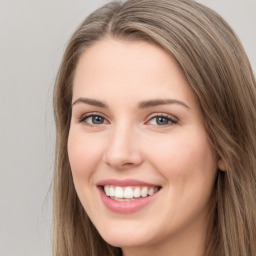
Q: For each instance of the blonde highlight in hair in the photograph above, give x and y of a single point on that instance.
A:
(218, 70)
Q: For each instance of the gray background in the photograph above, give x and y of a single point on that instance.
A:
(33, 35)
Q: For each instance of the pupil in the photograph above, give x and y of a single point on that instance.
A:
(162, 121)
(97, 120)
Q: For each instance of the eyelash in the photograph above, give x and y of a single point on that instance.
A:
(171, 120)
(83, 119)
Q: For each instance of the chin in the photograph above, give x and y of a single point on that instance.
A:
(126, 238)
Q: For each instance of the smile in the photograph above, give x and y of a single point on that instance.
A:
(127, 196)
(128, 193)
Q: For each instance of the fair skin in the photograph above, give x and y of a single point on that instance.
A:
(114, 136)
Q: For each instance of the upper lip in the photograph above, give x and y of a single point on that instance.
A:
(126, 182)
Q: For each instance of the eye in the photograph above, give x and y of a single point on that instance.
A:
(93, 119)
(162, 120)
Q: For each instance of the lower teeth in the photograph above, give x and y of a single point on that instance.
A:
(122, 199)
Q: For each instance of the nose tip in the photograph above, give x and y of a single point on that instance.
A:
(122, 153)
(119, 161)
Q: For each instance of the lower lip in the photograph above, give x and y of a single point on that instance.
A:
(126, 206)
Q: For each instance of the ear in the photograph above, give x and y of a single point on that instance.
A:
(221, 165)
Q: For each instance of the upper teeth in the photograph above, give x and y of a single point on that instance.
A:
(129, 192)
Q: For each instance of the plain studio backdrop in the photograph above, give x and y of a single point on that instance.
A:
(33, 36)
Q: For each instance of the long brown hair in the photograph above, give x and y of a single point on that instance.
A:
(217, 68)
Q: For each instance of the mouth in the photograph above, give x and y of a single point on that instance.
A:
(127, 196)
(129, 193)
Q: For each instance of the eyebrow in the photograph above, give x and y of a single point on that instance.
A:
(157, 102)
(91, 102)
(141, 105)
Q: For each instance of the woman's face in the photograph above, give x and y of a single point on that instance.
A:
(137, 132)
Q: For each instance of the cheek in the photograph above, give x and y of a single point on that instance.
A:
(186, 160)
(84, 152)
(188, 165)
(189, 150)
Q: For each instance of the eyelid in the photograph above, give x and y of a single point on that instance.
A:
(89, 114)
(172, 118)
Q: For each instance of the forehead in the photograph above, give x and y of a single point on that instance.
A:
(129, 69)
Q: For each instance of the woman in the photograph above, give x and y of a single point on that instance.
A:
(155, 154)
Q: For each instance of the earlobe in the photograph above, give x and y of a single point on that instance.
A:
(221, 165)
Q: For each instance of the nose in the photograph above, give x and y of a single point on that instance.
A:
(123, 149)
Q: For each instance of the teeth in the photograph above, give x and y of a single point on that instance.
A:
(136, 192)
(112, 191)
(107, 190)
(122, 199)
(119, 193)
(144, 192)
(128, 193)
